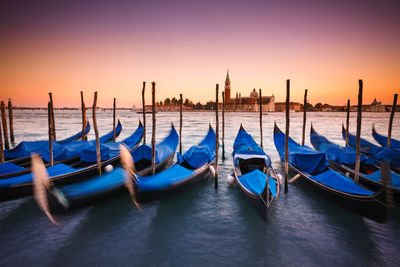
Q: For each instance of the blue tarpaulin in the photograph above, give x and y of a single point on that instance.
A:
(55, 170)
(110, 150)
(62, 151)
(199, 155)
(302, 157)
(341, 183)
(97, 185)
(173, 175)
(376, 176)
(8, 167)
(163, 150)
(376, 154)
(382, 140)
(245, 144)
(335, 153)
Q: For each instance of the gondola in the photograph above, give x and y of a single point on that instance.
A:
(194, 165)
(62, 153)
(21, 153)
(343, 159)
(62, 174)
(253, 173)
(376, 153)
(63, 198)
(313, 167)
(382, 140)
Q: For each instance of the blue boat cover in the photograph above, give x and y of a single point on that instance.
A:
(303, 158)
(110, 150)
(8, 167)
(341, 183)
(55, 170)
(60, 151)
(376, 176)
(97, 185)
(163, 150)
(76, 136)
(202, 154)
(245, 144)
(335, 153)
(169, 177)
(382, 140)
(255, 181)
(377, 154)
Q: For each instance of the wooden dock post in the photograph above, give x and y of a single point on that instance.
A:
(304, 118)
(153, 128)
(52, 117)
(144, 113)
(287, 135)
(391, 119)
(1, 146)
(96, 132)
(84, 121)
(50, 122)
(4, 121)
(216, 136)
(114, 107)
(347, 122)
(223, 125)
(180, 123)
(11, 120)
(261, 130)
(359, 111)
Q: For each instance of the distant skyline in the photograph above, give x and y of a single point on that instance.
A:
(187, 46)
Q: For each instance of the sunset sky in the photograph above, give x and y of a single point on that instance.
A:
(187, 46)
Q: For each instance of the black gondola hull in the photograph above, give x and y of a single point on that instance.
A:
(372, 207)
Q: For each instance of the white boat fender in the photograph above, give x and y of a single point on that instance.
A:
(109, 168)
(212, 170)
(230, 179)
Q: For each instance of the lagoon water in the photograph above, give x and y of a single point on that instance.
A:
(201, 226)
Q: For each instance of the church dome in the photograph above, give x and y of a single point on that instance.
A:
(254, 93)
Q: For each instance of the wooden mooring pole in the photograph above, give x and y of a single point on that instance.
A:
(11, 120)
(287, 135)
(223, 125)
(261, 130)
(180, 123)
(391, 119)
(96, 132)
(114, 108)
(216, 136)
(84, 121)
(144, 113)
(4, 121)
(153, 127)
(52, 117)
(1, 146)
(304, 118)
(358, 134)
(50, 122)
(347, 122)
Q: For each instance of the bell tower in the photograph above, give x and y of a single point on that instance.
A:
(227, 87)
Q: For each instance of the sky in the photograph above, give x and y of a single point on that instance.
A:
(65, 47)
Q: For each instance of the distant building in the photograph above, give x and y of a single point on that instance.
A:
(251, 103)
(281, 106)
(375, 106)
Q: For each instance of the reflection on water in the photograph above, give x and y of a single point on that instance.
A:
(200, 226)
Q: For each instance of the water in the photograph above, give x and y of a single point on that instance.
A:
(200, 226)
